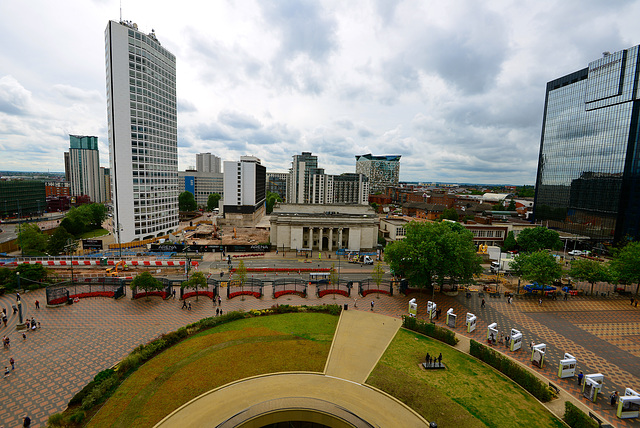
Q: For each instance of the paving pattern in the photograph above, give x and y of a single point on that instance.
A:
(77, 341)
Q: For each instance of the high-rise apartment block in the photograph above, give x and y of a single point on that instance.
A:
(206, 162)
(303, 167)
(588, 180)
(84, 168)
(143, 146)
(382, 171)
(244, 186)
(277, 183)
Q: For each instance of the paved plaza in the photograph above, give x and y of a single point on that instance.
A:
(77, 341)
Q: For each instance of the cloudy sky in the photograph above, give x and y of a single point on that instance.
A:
(455, 87)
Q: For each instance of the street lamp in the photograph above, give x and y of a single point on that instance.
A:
(69, 249)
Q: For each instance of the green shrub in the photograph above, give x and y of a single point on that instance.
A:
(429, 329)
(576, 418)
(129, 362)
(512, 370)
(56, 420)
(104, 374)
(77, 417)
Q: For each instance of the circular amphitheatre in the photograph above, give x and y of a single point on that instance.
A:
(294, 396)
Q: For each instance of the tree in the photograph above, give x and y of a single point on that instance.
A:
(333, 275)
(538, 238)
(31, 239)
(97, 213)
(512, 205)
(434, 251)
(241, 272)
(197, 280)
(187, 202)
(212, 201)
(626, 265)
(498, 207)
(591, 271)
(32, 273)
(539, 266)
(58, 241)
(272, 198)
(377, 274)
(510, 243)
(526, 191)
(449, 214)
(7, 278)
(147, 282)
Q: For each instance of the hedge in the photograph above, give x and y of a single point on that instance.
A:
(512, 370)
(576, 418)
(430, 329)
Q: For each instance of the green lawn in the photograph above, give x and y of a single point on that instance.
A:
(93, 234)
(301, 341)
(467, 394)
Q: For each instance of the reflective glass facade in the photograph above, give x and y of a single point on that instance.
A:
(588, 164)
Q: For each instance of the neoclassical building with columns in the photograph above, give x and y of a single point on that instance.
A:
(324, 227)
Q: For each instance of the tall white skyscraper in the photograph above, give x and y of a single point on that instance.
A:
(206, 162)
(143, 144)
(84, 167)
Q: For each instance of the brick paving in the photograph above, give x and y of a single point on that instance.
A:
(77, 341)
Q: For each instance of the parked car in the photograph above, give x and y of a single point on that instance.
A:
(576, 253)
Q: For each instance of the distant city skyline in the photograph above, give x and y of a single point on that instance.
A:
(457, 89)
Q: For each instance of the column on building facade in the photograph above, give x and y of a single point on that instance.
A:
(320, 239)
(331, 239)
(311, 238)
(339, 238)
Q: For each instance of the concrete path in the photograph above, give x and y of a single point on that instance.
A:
(360, 340)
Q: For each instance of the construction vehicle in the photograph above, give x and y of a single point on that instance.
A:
(113, 271)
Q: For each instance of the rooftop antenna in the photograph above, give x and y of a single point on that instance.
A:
(120, 10)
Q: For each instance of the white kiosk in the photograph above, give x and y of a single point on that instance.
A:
(413, 308)
(492, 333)
(592, 385)
(516, 340)
(567, 366)
(431, 309)
(451, 318)
(471, 322)
(629, 404)
(537, 354)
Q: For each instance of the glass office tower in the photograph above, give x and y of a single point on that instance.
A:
(587, 180)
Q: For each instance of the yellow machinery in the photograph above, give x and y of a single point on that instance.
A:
(113, 271)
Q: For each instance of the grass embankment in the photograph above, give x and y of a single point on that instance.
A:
(93, 234)
(466, 394)
(215, 357)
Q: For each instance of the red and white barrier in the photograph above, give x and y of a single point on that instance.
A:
(97, 263)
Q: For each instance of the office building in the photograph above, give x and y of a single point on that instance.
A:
(245, 185)
(143, 147)
(105, 179)
(382, 171)
(206, 162)
(588, 168)
(201, 184)
(84, 168)
(22, 198)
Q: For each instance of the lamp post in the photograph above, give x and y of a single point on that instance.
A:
(69, 248)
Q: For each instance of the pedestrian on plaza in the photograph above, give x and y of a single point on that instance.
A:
(220, 302)
(13, 363)
(184, 304)
(38, 325)
(7, 372)
(565, 296)
(217, 311)
(24, 336)
(372, 305)
(37, 304)
(580, 376)
(17, 296)
(483, 303)
(613, 399)
(27, 421)
(173, 293)
(220, 312)
(4, 320)
(509, 300)
(539, 301)
(355, 302)
(189, 308)
(632, 300)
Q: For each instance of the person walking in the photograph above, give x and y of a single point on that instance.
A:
(613, 399)
(184, 304)
(219, 301)
(539, 301)
(189, 306)
(482, 304)
(37, 304)
(13, 363)
(580, 376)
(372, 305)
(7, 372)
(217, 311)
(27, 421)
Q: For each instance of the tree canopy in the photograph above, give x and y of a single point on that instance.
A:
(272, 198)
(538, 266)
(539, 238)
(433, 252)
(510, 243)
(449, 214)
(187, 202)
(31, 239)
(591, 271)
(147, 282)
(626, 265)
(84, 218)
(241, 272)
(58, 241)
(197, 280)
(212, 201)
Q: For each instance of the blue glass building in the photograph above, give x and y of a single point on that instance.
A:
(587, 181)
